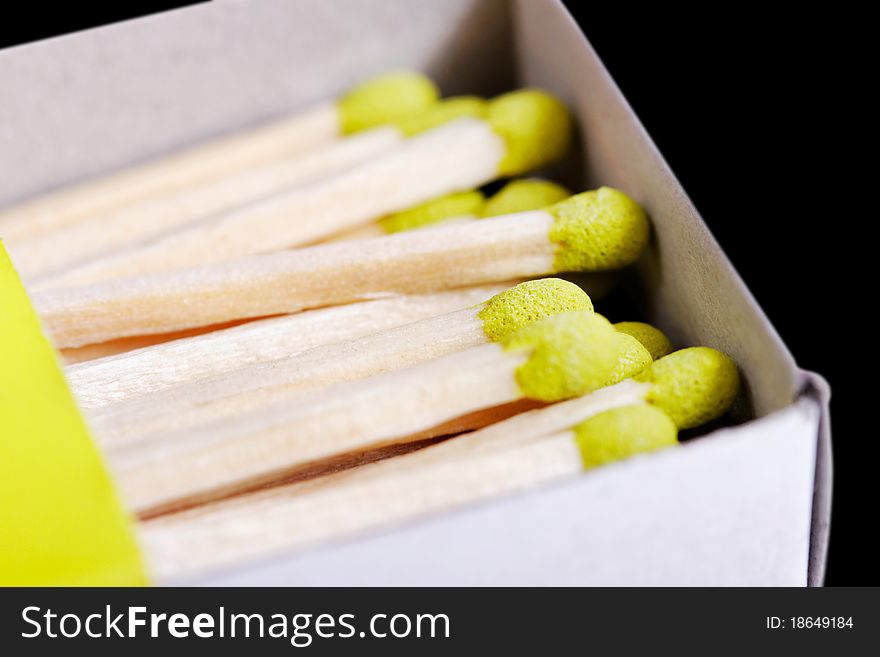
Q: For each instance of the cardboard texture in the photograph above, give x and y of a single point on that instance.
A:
(747, 505)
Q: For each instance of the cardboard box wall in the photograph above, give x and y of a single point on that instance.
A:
(747, 505)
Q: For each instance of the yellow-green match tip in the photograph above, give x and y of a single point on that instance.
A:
(623, 432)
(460, 204)
(654, 340)
(529, 302)
(536, 127)
(599, 230)
(632, 358)
(442, 112)
(570, 354)
(693, 386)
(523, 195)
(385, 99)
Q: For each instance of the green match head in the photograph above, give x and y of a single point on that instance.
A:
(443, 112)
(385, 99)
(528, 302)
(571, 354)
(523, 195)
(536, 127)
(623, 432)
(655, 340)
(693, 386)
(600, 230)
(632, 358)
(436, 210)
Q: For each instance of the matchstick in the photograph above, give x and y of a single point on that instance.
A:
(247, 389)
(53, 260)
(314, 474)
(555, 358)
(692, 386)
(377, 101)
(191, 360)
(523, 130)
(348, 510)
(514, 455)
(548, 419)
(515, 196)
(73, 256)
(707, 373)
(603, 230)
(92, 352)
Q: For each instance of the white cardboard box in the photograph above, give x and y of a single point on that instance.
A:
(748, 505)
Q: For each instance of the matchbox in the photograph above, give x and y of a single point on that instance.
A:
(747, 504)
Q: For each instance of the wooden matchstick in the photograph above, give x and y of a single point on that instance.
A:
(62, 257)
(693, 386)
(314, 474)
(523, 130)
(169, 545)
(377, 101)
(52, 260)
(248, 389)
(601, 230)
(555, 358)
(100, 350)
(514, 455)
(704, 373)
(205, 401)
(191, 360)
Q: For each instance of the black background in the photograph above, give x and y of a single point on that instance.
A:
(757, 111)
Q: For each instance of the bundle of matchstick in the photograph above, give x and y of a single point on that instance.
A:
(330, 323)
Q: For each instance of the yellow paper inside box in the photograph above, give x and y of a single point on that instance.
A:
(61, 522)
